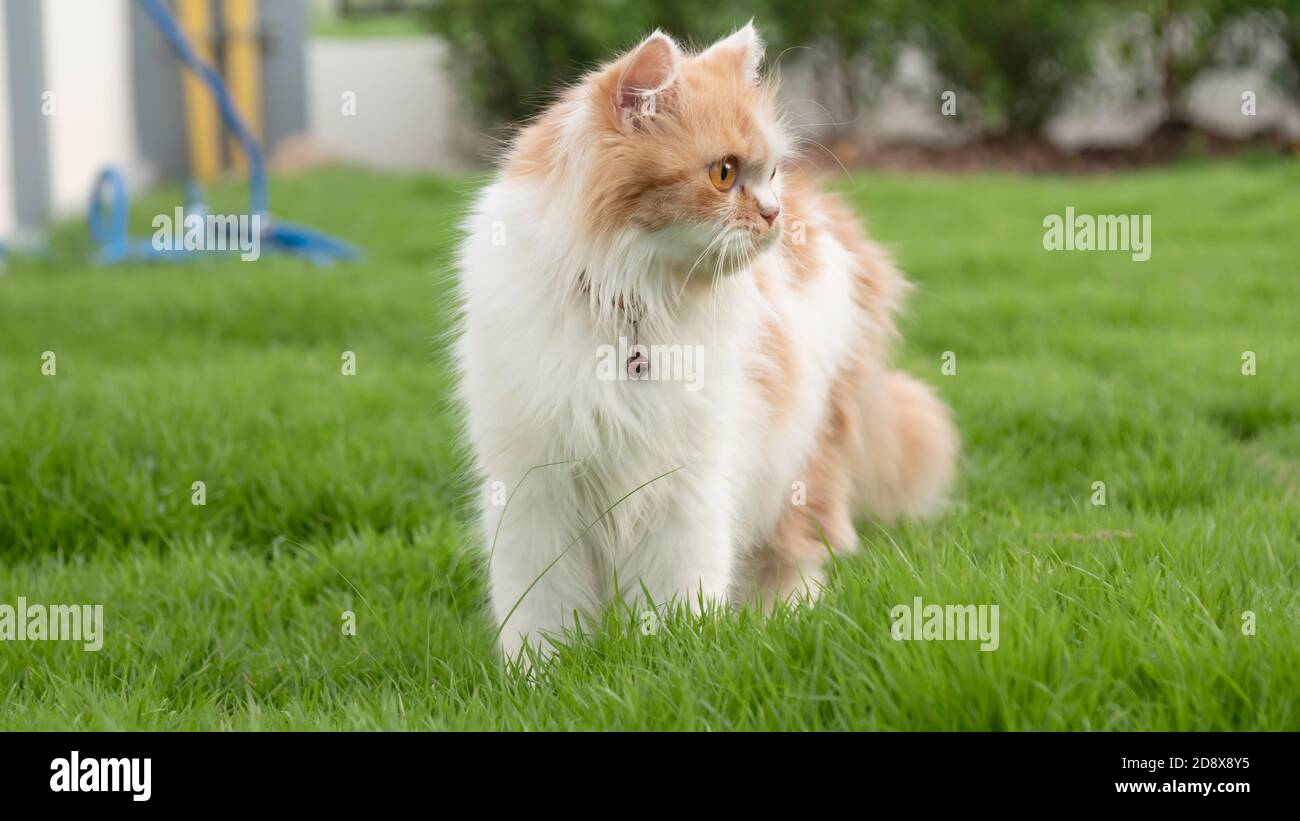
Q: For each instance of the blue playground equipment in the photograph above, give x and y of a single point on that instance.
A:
(107, 215)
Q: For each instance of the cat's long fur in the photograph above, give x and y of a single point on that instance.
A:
(604, 213)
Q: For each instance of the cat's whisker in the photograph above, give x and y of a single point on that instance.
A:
(824, 110)
(832, 122)
(719, 274)
(687, 280)
(831, 154)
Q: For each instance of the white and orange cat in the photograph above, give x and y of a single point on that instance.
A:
(649, 215)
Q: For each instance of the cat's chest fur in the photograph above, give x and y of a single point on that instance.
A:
(546, 383)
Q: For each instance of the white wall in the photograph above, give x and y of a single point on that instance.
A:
(8, 217)
(408, 113)
(88, 67)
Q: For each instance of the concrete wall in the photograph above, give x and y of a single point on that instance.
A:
(284, 70)
(1101, 114)
(8, 212)
(88, 69)
(28, 166)
(407, 111)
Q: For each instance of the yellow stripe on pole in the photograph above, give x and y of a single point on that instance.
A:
(243, 69)
(202, 123)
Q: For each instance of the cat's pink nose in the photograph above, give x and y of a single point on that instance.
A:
(770, 213)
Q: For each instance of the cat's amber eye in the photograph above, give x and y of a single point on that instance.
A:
(723, 173)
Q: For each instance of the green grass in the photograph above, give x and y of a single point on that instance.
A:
(328, 493)
(403, 24)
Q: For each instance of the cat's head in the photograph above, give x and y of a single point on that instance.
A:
(684, 149)
(690, 148)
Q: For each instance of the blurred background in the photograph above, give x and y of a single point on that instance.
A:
(433, 84)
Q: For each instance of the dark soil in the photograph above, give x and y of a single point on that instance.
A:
(1169, 143)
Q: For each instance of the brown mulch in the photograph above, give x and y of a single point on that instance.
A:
(1038, 156)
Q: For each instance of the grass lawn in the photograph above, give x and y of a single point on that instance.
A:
(328, 493)
(406, 24)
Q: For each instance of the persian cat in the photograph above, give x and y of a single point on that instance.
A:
(674, 353)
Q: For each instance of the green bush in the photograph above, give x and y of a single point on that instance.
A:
(1167, 44)
(851, 46)
(1283, 18)
(510, 57)
(1014, 63)
(1019, 59)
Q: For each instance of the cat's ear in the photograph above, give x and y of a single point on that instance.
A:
(643, 76)
(745, 48)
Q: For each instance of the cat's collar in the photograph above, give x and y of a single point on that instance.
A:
(629, 306)
(638, 363)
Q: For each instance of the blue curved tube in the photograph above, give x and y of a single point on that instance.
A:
(171, 31)
(108, 221)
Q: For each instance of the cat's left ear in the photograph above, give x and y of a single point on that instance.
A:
(744, 47)
(643, 77)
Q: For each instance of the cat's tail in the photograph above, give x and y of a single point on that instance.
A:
(909, 447)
